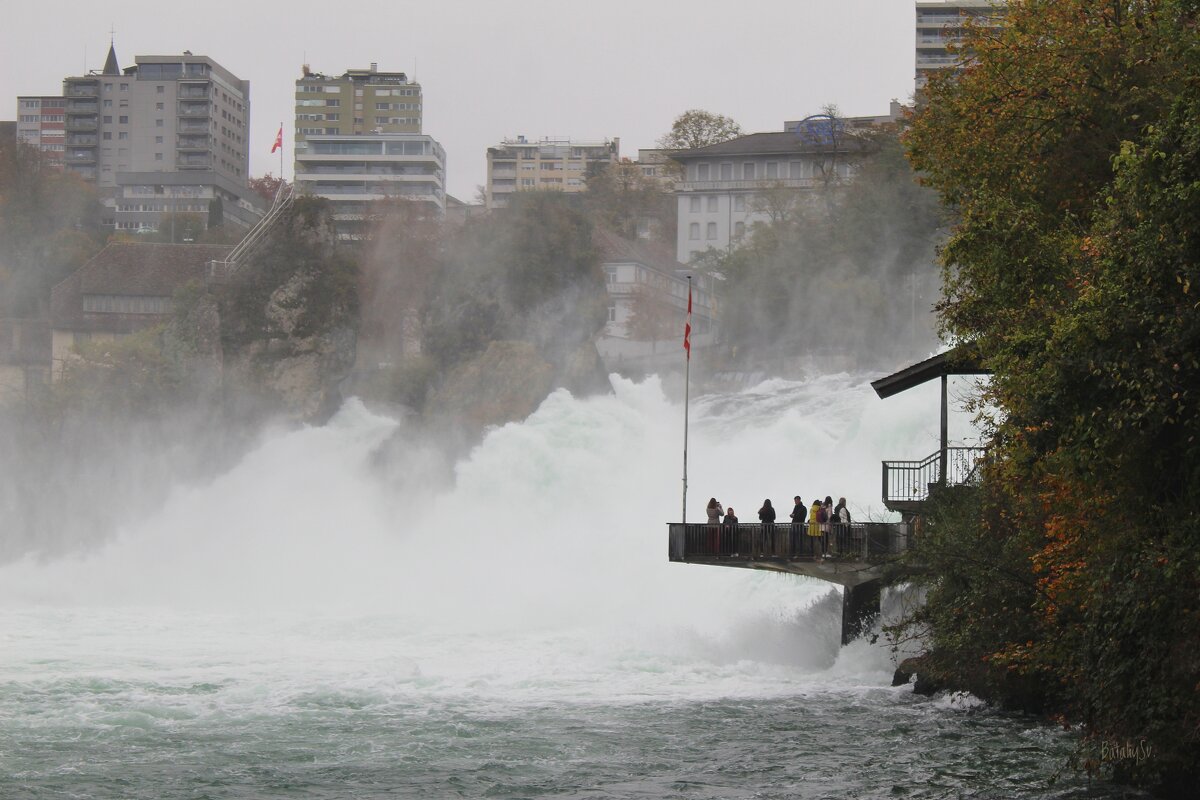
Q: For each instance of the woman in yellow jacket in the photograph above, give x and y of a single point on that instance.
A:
(814, 530)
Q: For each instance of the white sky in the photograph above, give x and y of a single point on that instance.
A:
(490, 70)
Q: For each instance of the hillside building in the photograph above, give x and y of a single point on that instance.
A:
(41, 123)
(359, 143)
(125, 288)
(169, 134)
(939, 23)
(549, 164)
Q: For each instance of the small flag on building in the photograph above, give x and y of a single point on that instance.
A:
(278, 140)
(687, 327)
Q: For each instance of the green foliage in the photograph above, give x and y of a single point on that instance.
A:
(1071, 151)
(125, 378)
(298, 269)
(620, 198)
(49, 225)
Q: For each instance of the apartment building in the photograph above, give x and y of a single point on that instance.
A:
(41, 123)
(354, 172)
(135, 132)
(357, 102)
(359, 142)
(940, 23)
(555, 164)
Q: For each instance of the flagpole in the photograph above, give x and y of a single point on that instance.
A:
(281, 153)
(687, 376)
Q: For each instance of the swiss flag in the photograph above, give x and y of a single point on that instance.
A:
(278, 140)
(687, 327)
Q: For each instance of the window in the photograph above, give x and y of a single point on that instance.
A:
(158, 123)
(772, 169)
(108, 103)
(796, 169)
(123, 135)
(694, 231)
(711, 231)
(739, 230)
(739, 202)
(694, 206)
(158, 140)
(108, 119)
(158, 157)
(748, 171)
(612, 313)
(727, 172)
(702, 172)
(107, 136)
(333, 102)
(158, 106)
(124, 87)
(158, 89)
(123, 119)
(712, 203)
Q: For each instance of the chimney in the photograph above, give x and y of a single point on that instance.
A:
(374, 66)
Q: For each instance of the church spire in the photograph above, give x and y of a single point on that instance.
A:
(110, 63)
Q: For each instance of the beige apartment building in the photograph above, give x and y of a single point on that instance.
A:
(357, 102)
(940, 23)
(359, 144)
(556, 164)
(169, 134)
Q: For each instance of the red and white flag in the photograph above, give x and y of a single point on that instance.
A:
(278, 140)
(687, 327)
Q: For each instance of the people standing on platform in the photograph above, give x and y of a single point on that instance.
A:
(766, 515)
(841, 518)
(827, 524)
(799, 515)
(814, 530)
(714, 511)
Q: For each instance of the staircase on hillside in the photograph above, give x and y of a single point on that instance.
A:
(224, 270)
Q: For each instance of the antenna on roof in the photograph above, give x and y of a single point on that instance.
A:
(112, 35)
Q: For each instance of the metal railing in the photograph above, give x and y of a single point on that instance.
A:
(221, 270)
(856, 541)
(909, 481)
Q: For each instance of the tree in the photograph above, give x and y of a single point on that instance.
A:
(1069, 151)
(622, 199)
(216, 213)
(267, 186)
(698, 128)
(49, 225)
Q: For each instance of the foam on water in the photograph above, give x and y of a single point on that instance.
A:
(320, 617)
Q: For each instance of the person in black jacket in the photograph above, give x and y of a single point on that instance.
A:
(799, 517)
(766, 515)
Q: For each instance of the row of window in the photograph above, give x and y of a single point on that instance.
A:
(397, 120)
(126, 304)
(710, 231)
(397, 106)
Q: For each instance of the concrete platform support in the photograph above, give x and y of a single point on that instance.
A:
(860, 607)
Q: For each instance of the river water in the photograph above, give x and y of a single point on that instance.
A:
(327, 620)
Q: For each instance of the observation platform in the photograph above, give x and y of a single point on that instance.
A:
(855, 557)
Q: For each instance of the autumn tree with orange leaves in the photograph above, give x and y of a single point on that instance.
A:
(1069, 580)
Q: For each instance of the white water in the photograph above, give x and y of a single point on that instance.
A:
(316, 582)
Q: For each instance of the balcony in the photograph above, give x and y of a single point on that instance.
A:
(193, 92)
(193, 162)
(191, 142)
(81, 157)
(193, 126)
(83, 139)
(193, 109)
(82, 106)
(81, 124)
(764, 183)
